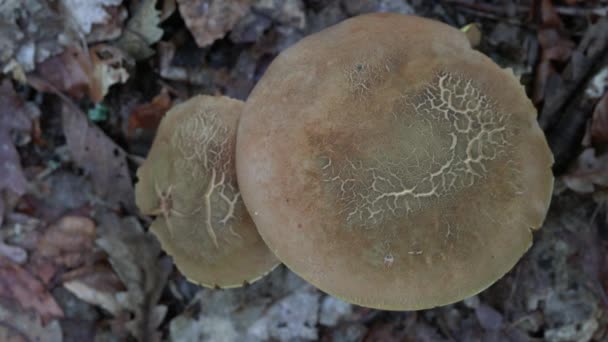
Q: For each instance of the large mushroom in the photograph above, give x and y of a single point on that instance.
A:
(188, 181)
(391, 165)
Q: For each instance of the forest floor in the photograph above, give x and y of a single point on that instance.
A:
(83, 86)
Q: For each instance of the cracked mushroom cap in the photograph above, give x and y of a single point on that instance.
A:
(391, 165)
(188, 182)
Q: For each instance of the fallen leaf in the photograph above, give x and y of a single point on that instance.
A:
(555, 47)
(169, 7)
(148, 115)
(68, 72)
(209, 20)
(15, 116)
(16, 254)
(32, 31)
(17, 283)
(97, 285)
(100, 157)
(18, 325)
(142, 31)
(78, 74)
(599, 122)
(136, 257)
(488, 317)
(87, 13)
(67, 243)
(279, 307)
(111, 29)
(14, 112)
(108, 69)
(589, 172)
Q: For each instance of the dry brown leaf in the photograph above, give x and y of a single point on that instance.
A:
(97, 285)
(15, 116)
(142, 31)
(87, 13)
(108, 69)
(148, 115)
(32, 31)
(78, 74)
(110, 30)
(555, 47)
(68, 243)
(589, 172)
(599, 123)
(16, 254)
(18, 284)
(136, 257)
(68, 72)
(18, 325)
(100, 157)
(209, 20)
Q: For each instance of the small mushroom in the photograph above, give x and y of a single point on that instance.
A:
(188, 181)
(391, 165)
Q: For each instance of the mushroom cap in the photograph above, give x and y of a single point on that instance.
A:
(204, 224)
(391, 165)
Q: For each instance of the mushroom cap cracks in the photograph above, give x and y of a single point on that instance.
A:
(188, 180)
(391, 165)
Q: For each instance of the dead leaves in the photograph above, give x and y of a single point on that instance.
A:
(65, 244)
(97, 285)
(79, 73)
(141, 31)
(209, 20)
(100, 157)
(15, 117)
(147, 116)
(88, 13)
(135, 257)
(17, 325)
(17, 283)
(32, 31)
(599, 121)
(108, 69)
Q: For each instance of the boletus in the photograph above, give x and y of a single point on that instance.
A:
(391, 165)
(189, 182)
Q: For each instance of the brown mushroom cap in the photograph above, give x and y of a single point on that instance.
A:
(391, 165)
(189, 181)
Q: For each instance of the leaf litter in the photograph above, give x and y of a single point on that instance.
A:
(91, 245)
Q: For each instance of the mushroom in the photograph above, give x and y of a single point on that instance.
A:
(188, 181)
(391, 165)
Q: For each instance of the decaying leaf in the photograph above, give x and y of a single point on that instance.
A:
(142, 31)
(15, 116)
(87, 13)
(278, 307)
(100, 157)
(16, 254)
(18, 325)
(97, 285)
(17, 283)
(135, 257)
(599, 122)
(148, 115)
(67, 243)
(555, 47)
(79, 73)
(209, 20)
(108, 69)
(589, 172)
(68, 72)
(31, 31)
